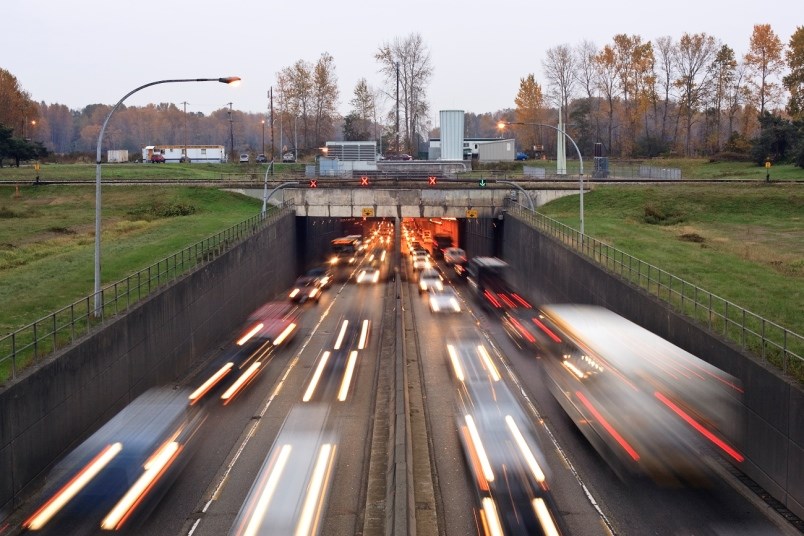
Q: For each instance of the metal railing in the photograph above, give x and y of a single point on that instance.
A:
(36, 341)
(772, 343)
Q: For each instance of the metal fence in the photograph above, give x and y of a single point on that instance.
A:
(769, 341)
(36, 341)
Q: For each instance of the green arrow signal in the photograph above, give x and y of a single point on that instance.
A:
(482, 183)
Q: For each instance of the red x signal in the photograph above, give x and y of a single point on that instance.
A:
(364, 181)
(313, 183)
(431, 181)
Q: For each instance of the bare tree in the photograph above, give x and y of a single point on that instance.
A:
(409, 60)
(665, 81)
(693, 58)
(723, 67)
(559, 68)
(364, 107)
(325, 97)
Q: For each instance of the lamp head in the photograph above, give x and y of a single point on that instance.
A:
(231, 80)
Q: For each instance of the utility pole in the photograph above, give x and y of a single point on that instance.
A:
(397, 108)
(185, 131)
(231, 134)
(271, 98)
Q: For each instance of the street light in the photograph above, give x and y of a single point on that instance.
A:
(502, 124)
(232, 80)
(263, 136)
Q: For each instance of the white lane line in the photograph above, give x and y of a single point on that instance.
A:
(256, 423)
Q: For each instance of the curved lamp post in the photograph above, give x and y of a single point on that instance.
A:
(98, 301)
(502, 124)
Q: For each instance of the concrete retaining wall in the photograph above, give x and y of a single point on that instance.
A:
(43, 415)
(774, 406)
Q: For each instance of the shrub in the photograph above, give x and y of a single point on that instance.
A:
(655, 215)
(160, 209)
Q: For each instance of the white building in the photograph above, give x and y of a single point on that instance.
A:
(481, 149)
(197, 154)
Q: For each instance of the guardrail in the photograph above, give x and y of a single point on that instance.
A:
(36, 341)
(772, 343)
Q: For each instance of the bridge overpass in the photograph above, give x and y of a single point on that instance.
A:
(391, 198)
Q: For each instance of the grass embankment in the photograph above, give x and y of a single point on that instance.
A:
(167, 172)
(743, 242)
(47, 238)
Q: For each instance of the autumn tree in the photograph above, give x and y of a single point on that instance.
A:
(17, 110)
(633, 63)
(764, 59)
(407, 59)
(794, 81)
(529, 102)
(606, 69)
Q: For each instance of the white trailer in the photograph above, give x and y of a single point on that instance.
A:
(197, 154)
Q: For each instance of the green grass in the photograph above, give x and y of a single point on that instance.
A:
(691, 168)
(743, 242)
(47, 238)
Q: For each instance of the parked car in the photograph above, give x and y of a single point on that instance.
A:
(157, 158)
(401, 156)
(244, 158)
(288, 157)
(521, 156)
(262, 159)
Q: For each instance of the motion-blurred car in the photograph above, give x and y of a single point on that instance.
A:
(324, 276)
(269, 328)
(430, 279)
(379, 254)
(305, 288)
(506, 460)
(157, 159)
(244, 158)
(288, 158)
(262, 159)
(454, 256)
(521, 156)
(289, 494)
(421, 262)
(444, 301)
(122, 471)
(368, 274)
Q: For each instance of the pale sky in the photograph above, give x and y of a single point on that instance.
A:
(82, 52)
